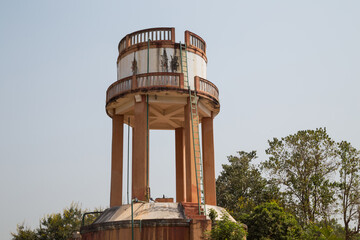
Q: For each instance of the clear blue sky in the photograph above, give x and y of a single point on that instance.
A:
(280, 66)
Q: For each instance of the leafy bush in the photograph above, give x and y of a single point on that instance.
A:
(269, 221)
(225, 229)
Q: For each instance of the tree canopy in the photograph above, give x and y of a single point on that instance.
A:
(349, 187)
(312, 179)
(240, 186)
(303, 164)
(59, 226)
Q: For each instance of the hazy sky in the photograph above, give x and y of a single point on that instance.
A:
(280, 66)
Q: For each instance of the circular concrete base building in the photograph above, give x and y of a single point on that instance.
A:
(161, 85)
(155, 221)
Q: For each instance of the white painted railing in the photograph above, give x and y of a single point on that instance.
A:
(194, 40)
(118, 88)
(142, 36)
(208, 87)
(158, 80)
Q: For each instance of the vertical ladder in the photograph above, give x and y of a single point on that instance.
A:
(195, 132)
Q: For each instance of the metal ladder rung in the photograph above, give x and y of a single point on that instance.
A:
(195, 130)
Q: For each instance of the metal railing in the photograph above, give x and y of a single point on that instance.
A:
(88, 213)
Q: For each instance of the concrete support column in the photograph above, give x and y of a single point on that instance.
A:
(180, 164)
(191, 189)
(139, 149)
(208, 160)
(117, 161)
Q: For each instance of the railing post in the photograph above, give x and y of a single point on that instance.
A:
(187, 38)
(172, 35)
(127, 40)
(133, 82)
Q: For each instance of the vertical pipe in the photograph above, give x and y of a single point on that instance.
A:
(132, 220)
(147, 129)
(147, 149)
(128, 161)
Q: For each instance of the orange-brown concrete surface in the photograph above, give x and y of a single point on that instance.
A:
(207, 131)
(139, 164)
(194, 229)
(191, 189)
(152, 221)
(198, 228)
(164, 200)
(117, 161)
(146, 233)
(180, 164)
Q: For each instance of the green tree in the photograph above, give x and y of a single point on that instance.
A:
(302, 165)
(24, 233)
(349, 187)
(59, 226)
(329, 230)
(240, 186)
(269, 221)
(225, 229)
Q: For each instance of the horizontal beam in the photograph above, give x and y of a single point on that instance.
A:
(124, 107)
(167, 100)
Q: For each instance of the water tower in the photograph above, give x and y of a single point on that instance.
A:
(161, 84)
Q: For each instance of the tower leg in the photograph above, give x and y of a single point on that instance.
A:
(180, 164)
(208, 160)
(191, 189)
(117, 161)
(139, 161)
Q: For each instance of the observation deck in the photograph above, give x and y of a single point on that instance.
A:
(150, 63)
